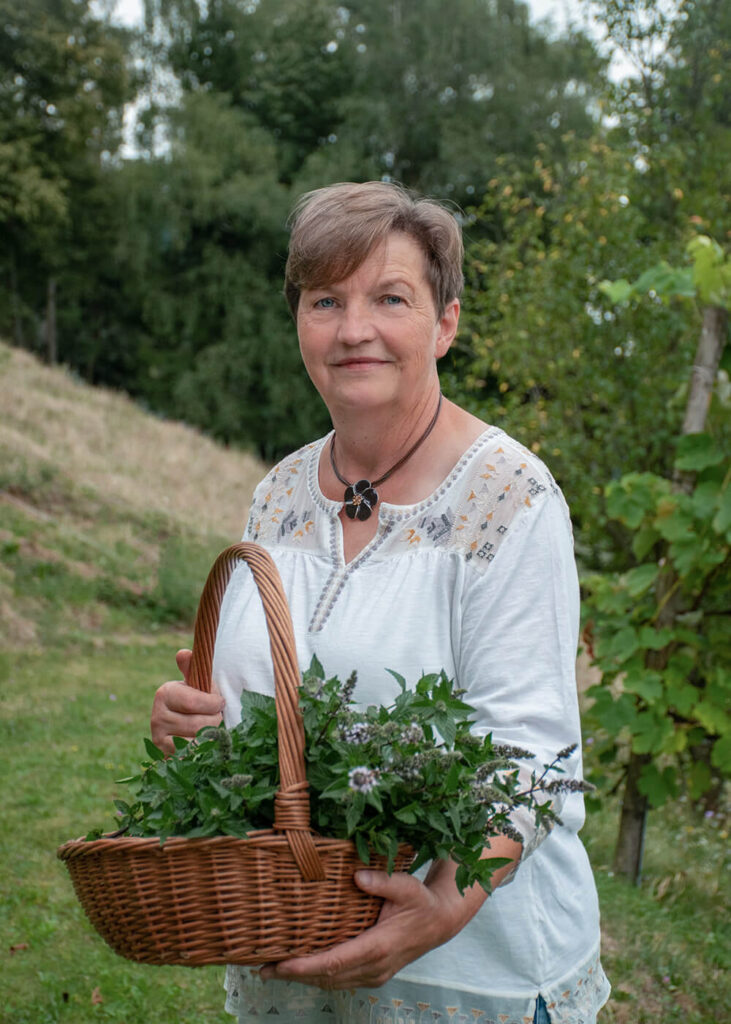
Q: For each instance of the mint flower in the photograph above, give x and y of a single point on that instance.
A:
(362, 780)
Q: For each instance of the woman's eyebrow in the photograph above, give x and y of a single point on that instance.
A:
(394, 282)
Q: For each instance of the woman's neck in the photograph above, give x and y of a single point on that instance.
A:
(369, 444)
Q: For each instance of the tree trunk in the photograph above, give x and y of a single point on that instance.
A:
(51, 346)
(629, 851)
(632, 823)
(705, 368)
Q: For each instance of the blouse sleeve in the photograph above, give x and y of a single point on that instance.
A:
(517, 651)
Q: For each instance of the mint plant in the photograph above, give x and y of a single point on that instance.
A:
(410, 773)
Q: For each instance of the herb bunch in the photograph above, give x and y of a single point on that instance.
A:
(410, 773)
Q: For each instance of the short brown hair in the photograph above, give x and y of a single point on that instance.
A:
(334, 229)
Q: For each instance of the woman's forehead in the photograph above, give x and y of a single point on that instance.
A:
(398, 256)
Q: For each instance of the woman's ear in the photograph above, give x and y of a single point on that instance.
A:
(447, 328)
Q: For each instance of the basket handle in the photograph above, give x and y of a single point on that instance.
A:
(291, 803)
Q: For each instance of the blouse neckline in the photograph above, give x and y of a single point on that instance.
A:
(390, 511)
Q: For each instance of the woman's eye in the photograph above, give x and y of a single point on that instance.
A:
(393, 300)
(326, 303)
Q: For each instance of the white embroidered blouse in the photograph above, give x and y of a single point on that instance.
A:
(479, 580)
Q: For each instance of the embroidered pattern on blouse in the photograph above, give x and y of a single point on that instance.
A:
(248, 996)
(503, 479)
(506, 479)
(273, 516)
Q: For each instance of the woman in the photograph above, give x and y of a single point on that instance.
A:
(415, 537)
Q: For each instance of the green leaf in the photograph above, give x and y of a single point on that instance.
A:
(666, 281)
(398, 677)
(620, 645)
(652, 639)
(618, 292)
(631, 499)
(354, 812)
(361, 845)
(673, 521)
(154, 752)
(658, 786)
(639, 580)
(705, 498)
(711, 272)
(646, 684)
(721, 753)
(713, 717)
(315, 668)
(650, 733)
(682, 697)
(696, 452)
(644, 541)
(436, 819)
(252, 701)
(613, 714)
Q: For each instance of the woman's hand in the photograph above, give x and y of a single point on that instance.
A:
(416, 917)
(180, 710)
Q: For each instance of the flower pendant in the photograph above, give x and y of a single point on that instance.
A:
(360, 500)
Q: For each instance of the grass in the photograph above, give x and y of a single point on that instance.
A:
(666, 943)
(100, 568)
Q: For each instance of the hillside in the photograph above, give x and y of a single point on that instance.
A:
(103, 505)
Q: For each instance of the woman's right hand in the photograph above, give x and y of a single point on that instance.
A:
(180, 710)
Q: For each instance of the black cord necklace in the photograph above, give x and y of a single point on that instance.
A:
(361, 497)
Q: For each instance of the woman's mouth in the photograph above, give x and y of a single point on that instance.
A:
(356, 362)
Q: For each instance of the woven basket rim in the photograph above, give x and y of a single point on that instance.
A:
(261, 837)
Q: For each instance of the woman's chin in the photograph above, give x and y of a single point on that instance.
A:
(359, 393)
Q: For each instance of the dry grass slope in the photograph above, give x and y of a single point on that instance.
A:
(99, 499)
(102, 441)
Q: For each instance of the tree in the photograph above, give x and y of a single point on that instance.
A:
(661, 631)
(599, 390)
(590, 388)
(61, 106)
(426, 94)
(211, 341)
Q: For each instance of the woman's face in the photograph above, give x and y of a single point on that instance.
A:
(374, 338)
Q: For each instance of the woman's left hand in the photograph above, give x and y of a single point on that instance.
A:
(415, 918)
(407, 927)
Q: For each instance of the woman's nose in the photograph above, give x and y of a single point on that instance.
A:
(355, 324)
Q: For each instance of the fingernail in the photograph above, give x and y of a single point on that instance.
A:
(364, 877)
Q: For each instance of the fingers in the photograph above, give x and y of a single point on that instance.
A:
(179, 710)
(369, 960)
(183, 660)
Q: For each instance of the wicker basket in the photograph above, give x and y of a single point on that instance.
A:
(280, 892)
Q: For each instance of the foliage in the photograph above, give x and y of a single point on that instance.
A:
(709, 278)
(598, 388)
(208, 337)
(593, 388)
(672, 113)
(412, 773)
(426, 94)
(669, 707)
(66, 82)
